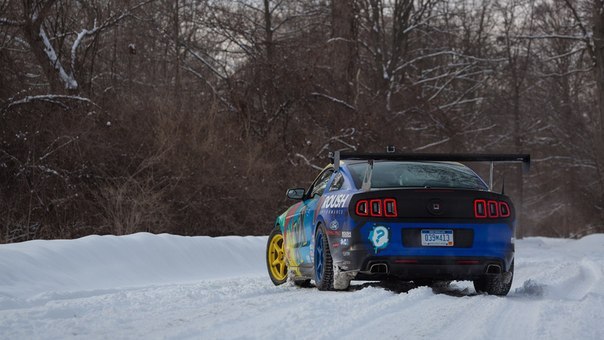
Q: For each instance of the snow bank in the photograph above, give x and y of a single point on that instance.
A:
(108, 262)
(561, 269)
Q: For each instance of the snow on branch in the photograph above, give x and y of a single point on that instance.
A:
(9, 22)
(482, 129)
(335, 100)
(78, 40)
(443, 53)
(308, 162)
(49, 151)
(49, 98)
(460, 101)
(114, 19)
(347, 133)
(557, 74)
(550, 36)
(432, 144)
(586, 35)
(68, 80)
(571, 162)
(567, 54)
(205, 62)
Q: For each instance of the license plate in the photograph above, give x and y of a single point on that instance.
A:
(437, 238)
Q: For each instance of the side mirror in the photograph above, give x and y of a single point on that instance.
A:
(295, 194)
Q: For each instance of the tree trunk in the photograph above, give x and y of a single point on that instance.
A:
(598, 54)
(176, 33)
(270, 53)
(31, 32)
(344, 47)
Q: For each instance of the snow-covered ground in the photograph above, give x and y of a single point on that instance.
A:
(165, 286)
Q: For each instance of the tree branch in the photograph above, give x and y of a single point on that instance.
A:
(335, 100)
(49, 98)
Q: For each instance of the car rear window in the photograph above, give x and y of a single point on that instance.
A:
(389, 174)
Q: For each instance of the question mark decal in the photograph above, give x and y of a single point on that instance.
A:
(379, 237)
(379, 233)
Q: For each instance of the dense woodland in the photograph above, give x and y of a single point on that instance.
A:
(194, 116)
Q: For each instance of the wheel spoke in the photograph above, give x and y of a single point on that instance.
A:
(276, 258)
(319, 256)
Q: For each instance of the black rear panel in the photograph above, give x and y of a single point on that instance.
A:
(432, 204)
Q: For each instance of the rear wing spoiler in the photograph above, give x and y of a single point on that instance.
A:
(525, 159)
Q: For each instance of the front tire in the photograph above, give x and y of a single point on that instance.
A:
(497, 284)
(275, 257)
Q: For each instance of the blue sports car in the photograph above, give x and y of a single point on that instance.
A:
(410, 217)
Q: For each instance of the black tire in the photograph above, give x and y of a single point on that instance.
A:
(497, 284)
(275, 261)
(305, 283)
(423, 282)
(323, 263)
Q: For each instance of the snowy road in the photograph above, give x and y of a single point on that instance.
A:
(164, 286)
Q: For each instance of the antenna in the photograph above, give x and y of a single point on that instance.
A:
(491, 170)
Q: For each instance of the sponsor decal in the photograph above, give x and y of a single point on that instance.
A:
(333, 232)
(334, 225)
(346, 253)
(344, 241)
(379, 237)
(335, 201)
(333, 212)
(347, 234)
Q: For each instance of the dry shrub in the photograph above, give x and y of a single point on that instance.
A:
(130, 205)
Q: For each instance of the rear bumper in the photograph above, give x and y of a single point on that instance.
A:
(435, 268)
(479, 249)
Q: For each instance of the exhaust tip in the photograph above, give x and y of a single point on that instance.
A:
(494, 269)
(379, 268)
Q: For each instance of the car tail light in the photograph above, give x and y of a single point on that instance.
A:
(379, 207)
(491, 209)
(504, 209)
(480, 209)
(375, 208)
(390, 207)
(361, 208)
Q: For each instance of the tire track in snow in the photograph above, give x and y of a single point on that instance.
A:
(558, 294)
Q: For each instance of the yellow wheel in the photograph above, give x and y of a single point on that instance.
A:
(275, 257)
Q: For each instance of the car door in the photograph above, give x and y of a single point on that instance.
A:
(304, 230)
